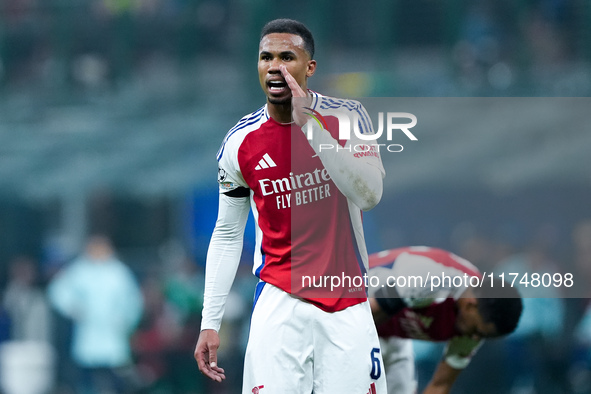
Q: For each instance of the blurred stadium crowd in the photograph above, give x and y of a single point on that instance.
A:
(524, 47)
(111, 112)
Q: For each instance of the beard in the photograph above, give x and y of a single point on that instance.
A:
(280, 101)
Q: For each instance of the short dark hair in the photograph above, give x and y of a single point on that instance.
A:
(500, 303)
(292, 27)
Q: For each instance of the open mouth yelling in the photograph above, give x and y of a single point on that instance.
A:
(277, 87)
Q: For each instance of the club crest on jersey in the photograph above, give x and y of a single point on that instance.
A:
(257, 389)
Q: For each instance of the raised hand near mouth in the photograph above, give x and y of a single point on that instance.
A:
(300, 99)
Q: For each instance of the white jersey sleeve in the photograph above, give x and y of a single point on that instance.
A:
(225, 246)
(356, 168)
(223, 257)
(229, 176)
(459, 351)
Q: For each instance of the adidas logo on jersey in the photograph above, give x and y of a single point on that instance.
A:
(265, 162)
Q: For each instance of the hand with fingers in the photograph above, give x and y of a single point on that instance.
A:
(302, 102)
(206, 355)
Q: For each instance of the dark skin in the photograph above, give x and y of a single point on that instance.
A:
(284, 67)
(283, 59)
(469, 322)
(442, 380)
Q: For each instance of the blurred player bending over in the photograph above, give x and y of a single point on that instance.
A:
(462, 316)
(307, 206)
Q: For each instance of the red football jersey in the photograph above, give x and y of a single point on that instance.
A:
(435, 322)
(307, 230)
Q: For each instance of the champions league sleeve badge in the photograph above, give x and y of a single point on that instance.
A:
(222, 175)
(225, 185)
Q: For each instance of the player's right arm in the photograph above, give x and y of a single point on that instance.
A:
(456, 357)
(361, 181)
(442, 380)
(223, 257)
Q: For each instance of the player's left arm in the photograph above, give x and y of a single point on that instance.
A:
(443, 379)
(359, 180)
